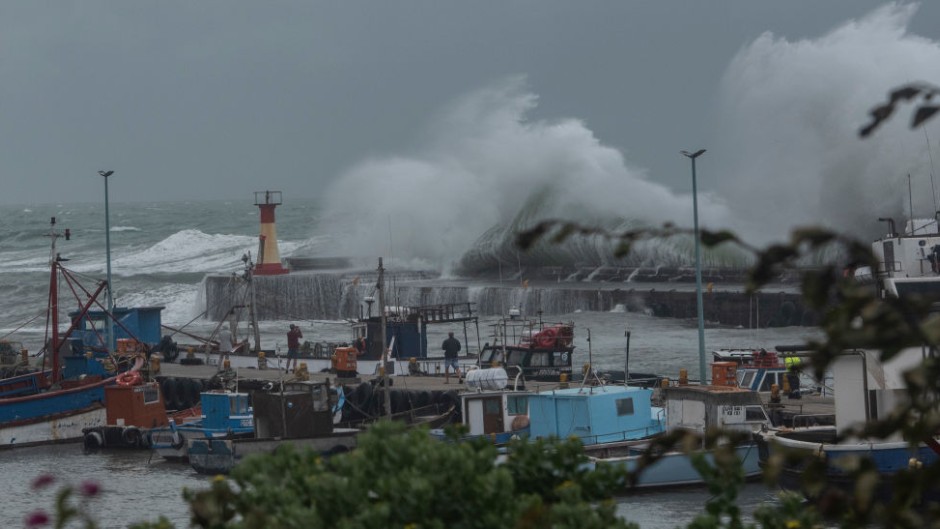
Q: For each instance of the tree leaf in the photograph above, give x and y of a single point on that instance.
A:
(923, 114)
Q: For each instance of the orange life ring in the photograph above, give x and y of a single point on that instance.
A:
(129, 378)
(547, 337)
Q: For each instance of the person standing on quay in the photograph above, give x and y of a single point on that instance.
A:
(451, 347)
(293, 345)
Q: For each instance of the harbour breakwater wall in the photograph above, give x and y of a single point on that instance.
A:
(342, 295)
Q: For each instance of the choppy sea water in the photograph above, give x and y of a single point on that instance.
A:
(160, 255)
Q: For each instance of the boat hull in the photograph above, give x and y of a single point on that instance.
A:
(60, 428)
(809, 444)
(674, 468)
(219, 456)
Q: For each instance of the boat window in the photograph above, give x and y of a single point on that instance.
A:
(747, 379)
(754, 413)
(624, 407)
(238, 406)
(516, 358)
(766, 383)
(151, 395)
(540, 359)
(517, 405)
(561, 358)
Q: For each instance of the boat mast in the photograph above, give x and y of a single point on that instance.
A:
(107, 238)
(251, 307)
(381, 286)
(54, 302)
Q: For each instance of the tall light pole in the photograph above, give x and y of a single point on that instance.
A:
(698, 270)
(107, 243)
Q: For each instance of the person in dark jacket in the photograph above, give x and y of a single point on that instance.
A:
(451, 347)
(293, 345)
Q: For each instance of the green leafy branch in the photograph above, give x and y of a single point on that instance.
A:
(904, 94)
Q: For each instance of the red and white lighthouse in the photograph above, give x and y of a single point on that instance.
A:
(269, 258)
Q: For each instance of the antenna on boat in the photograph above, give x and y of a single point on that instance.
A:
(590, 359)
(910, 201)
(933, 188)
(626, 362)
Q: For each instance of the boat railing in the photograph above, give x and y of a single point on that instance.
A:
(890, 266)
(442, 313)
(616, 437)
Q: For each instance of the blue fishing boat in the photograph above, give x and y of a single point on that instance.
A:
(64, 395)
(593, 414)
(865, 389)
(224, 416)
(299, 413)
(697, 409)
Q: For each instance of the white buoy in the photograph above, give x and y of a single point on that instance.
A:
(494, 378)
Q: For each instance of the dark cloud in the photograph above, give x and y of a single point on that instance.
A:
(217, 99)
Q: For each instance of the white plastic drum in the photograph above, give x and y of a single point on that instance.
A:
(493, 378)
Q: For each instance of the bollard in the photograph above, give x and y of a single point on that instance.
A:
(563, 380)
(683, 377)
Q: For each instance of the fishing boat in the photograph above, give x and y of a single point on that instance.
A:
(594, 414)
(299, 413)
(132, 407)
(536, 350)
(908, 263)
(490, 409)
(865, 389)
(65, 395)
(225, 415)
(694, 408)
(758, 369)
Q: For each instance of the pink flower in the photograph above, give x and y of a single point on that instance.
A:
(43, 481)
(90, 488)
(37, 519)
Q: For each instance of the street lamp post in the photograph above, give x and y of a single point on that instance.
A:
(698, 270)
(107, 239)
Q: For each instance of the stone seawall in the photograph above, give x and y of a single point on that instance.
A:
(342, 295)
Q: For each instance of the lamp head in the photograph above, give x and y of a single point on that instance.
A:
(106, 173)
(693, 155)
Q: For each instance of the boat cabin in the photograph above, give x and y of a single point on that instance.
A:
(544, 353)
(702, 408)
(140, 405)
(302, 409)
(406, 329)
(756, 370)
(225, 411)
(492, 410)
(908, 262)
(600, 414)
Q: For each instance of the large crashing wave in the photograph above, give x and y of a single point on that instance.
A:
(489, 171)
(790, 115)
(786, 153)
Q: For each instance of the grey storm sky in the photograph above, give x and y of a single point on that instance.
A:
(216, 99)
